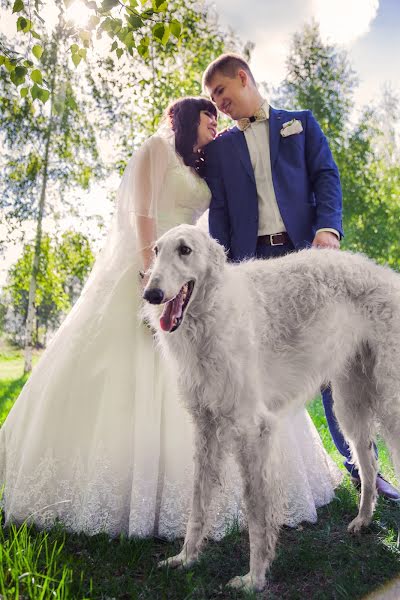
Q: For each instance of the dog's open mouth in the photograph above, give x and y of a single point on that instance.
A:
(174, 309)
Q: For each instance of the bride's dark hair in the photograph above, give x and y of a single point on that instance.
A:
(184, 118)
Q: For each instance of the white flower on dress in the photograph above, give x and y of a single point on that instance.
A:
(291, 127)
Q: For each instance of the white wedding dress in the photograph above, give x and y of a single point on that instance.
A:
(98, 438)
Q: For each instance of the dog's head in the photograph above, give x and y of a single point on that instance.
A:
(186, 261)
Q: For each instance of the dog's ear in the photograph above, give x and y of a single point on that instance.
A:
(217, 254)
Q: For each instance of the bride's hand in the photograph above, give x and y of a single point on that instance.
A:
(144, 277)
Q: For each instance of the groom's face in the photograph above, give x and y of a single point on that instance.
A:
(231, 94)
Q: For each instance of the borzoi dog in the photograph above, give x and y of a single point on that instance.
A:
(256, 340)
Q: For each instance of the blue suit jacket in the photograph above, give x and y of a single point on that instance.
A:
(305, 178)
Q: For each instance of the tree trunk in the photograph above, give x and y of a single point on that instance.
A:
(38, 238)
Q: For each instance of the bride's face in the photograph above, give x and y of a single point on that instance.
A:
(207, 129)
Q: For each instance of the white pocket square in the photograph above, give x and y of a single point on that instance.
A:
(291, 127)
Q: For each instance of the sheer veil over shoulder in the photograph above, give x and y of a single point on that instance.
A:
(98, 437)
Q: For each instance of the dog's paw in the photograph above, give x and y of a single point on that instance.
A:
(180, 561)
(358, 523)
(247, 583)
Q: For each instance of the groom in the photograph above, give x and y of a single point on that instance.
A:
(275, 187)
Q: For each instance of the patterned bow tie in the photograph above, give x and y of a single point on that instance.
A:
(259, 115)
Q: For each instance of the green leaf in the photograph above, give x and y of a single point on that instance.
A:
(82, 53)
(20, 71)
(71, 103)
(39, 93)
(36, 76)
(18, 6)
(143, 50)
(24, 24)
(114, 45)
(28, 63)
(10, 64)
(159, 31)
(21, 23)
(85, 37)
(119, 52)
(175, 28)
(23, 92)
(128, 39)
(17, 76)
(2, 60)
(147, 14)
(123, 32)
(35, 35)
(37, 51)
(135, 21)
(106, 24)
(93, 22)
(133, 3)
(109, 4)
(74, 48)
(35, 91)
(159, 3)
(44, 95)
(166, 35)
(76, 59)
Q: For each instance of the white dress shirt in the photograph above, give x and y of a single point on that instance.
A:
(257, 139)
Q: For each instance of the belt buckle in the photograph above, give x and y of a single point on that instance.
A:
(272, 240)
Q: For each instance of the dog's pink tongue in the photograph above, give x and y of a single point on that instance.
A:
(172, 310)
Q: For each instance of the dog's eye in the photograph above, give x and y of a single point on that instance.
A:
(184, 250)
(155, 250)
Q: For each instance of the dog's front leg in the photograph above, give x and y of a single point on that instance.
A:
(263, 499)
(207, 464)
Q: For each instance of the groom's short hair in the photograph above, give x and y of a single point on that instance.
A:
(228, 65)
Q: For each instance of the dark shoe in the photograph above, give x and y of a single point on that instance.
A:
(384, 488)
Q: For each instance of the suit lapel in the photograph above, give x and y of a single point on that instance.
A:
(240, 144)
(275, 125)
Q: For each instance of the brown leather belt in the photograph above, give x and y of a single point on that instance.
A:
(274, 239)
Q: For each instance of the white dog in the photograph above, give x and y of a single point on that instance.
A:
(257, 339)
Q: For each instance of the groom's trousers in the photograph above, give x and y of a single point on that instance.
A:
(265, 251)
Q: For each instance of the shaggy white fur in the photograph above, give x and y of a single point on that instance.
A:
(256, 340)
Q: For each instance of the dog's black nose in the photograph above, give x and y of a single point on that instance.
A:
(154, 295)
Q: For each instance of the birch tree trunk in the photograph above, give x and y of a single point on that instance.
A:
(30, 319)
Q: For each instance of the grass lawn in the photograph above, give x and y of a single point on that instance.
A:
(320, 561)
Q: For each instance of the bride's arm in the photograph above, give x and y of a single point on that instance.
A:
(150, 171)
(146, 235)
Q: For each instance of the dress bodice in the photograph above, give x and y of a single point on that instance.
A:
(190, 194)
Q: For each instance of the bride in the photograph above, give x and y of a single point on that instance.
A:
(98, 438)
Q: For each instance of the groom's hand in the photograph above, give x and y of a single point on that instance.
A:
(326, 239)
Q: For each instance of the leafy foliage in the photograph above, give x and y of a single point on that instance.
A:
(26, 126)
(63, 268)
(131, 25)
(320, 78)
(132, 95)
(371, 191)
